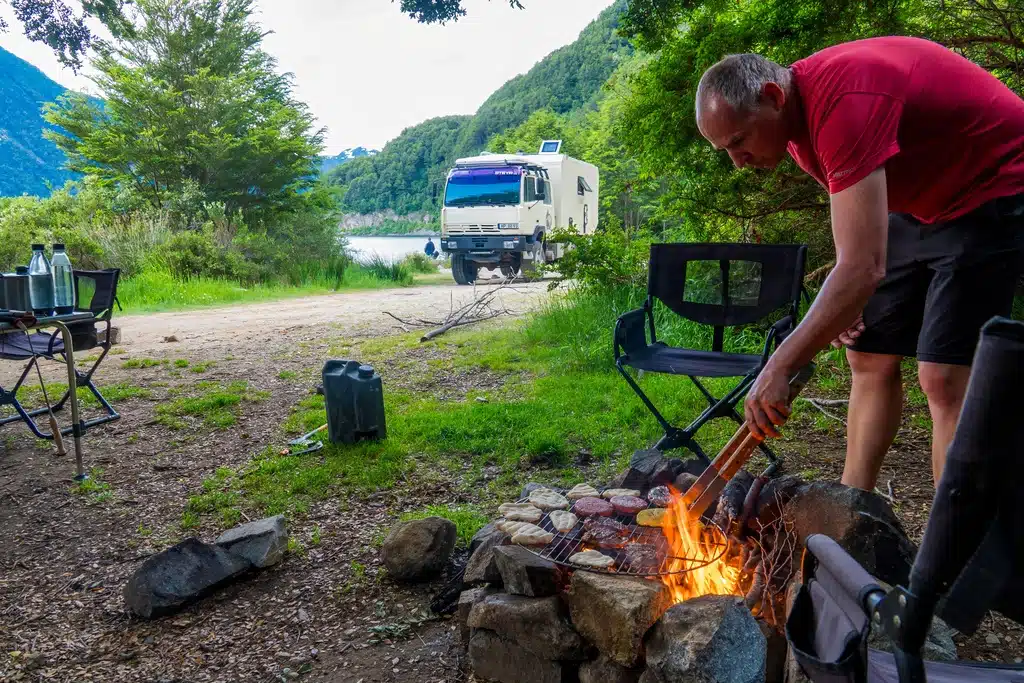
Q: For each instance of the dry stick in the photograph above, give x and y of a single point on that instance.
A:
(816, 404)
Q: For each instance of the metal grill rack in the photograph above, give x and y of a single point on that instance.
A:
(565, 545)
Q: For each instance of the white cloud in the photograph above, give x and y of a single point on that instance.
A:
(367, 71)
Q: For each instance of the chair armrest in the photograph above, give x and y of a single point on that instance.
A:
(777, 333)
(630, 334)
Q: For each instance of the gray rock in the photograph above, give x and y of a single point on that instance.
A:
(684, 481)
(938, 644)
(538, 625)
(614, 612)
(262, 542)
(604, 670)
(467, 600)
(860, 521)
(641, 466)
(712, 639)
(531, 487)
(481, 535)
(524, 573)
(496, 659)
(666, 472)
(419, 548)
(481, 567)
(775, 494)
(183, 573)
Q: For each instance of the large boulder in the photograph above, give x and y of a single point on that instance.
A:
(419, 548)
(711, 639)
(262, 542)
(180, 575)
(525, 573)
(860, 521)
(467, 601)
(494, 658)
(482, 534)
(538, 625)
(604, 670)
(482, 567)
(614, 612)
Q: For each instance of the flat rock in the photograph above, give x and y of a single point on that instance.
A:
(614, 612)
(538, 625)
(482, 567)
(481, 535)
(637, 476)
(467, 600)
(262, 542)
(711, 639)
(665, 472)
(419, 548)
(496, 659)
(180, 575)
(524, 573)
(860, 521)
(530, 488)
(604, 670)
(684, 481)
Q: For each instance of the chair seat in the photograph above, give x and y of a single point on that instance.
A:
(16, 346)
(679, 361)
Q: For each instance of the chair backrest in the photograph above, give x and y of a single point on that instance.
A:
(726, 284)
(96, 290)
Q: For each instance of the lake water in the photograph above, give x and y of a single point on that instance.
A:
(391, 247)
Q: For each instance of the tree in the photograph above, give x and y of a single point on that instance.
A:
(440, 11)
(191, 100)
(56, 24)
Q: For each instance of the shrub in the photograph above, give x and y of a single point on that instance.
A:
(389, 270)
(420, 263)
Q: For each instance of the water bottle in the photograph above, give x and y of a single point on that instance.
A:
(63, 282)
(40, 282)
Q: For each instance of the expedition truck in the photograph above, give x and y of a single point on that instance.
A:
(500, 208)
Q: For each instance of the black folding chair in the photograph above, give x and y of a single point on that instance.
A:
(971, 558)
(96, 291)
(722, 285)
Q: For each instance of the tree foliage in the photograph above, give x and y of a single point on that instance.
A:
(57, 24)
(191, 99)
(440, 11)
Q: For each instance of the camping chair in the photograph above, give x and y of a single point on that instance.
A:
(970, 559)
(96, 292)
(721, 285)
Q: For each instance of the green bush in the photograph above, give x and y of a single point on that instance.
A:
(420, 263)
(389, 270)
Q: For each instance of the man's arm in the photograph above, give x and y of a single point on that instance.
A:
(860, 221)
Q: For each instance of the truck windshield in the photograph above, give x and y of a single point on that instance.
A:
(483, 187)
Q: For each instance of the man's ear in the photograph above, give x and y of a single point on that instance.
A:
(773, 95)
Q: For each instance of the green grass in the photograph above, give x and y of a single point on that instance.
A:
(134, 363)
(158, 290)
(94, 489)
(287, 374)
(202, 367)
(215, 405)
(468, 519)
(181, 363)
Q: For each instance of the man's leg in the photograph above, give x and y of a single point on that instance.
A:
(945, 386)
(876, 402)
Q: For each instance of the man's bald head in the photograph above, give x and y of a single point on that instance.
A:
(740, 102)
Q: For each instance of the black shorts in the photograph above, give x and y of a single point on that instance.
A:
(943, 281)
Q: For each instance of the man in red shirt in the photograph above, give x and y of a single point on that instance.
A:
(922, 154)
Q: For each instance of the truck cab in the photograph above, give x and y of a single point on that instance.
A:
(499, 208)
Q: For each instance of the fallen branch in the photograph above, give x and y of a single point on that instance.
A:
(447, 326)
(820, 406)
(481, 308)
(889, 497)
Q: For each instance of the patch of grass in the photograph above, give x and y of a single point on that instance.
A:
(144, 531)
(287, 374)
(468, 519)
(122, 391)
(215, 405)
(315, 536)
(180, 362)
(219, 495)
(94, 489)
(295, 547)
(202, 367)
(389, 270)
(420, 263)
(133, 363)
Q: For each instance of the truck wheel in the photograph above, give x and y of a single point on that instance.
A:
(530, 271)
(463, 270)
(511, 269)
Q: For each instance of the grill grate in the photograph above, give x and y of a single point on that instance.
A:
(565, 545)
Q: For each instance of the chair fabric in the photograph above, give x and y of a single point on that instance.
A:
(970, 559)
(17, 346)
(678, 361)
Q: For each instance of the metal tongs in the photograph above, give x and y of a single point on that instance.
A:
(733, 456)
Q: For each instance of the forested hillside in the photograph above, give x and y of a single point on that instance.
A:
(328, 163)
(27, 161)
(408, 175)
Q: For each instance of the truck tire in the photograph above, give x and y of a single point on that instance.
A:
(463, 270)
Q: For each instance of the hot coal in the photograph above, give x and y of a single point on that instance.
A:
(660, 496)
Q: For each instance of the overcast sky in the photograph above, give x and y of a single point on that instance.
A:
(367, 70)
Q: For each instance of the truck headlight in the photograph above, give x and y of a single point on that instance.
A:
(508, 226)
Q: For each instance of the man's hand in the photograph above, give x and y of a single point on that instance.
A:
(767, 404)
(849, 337)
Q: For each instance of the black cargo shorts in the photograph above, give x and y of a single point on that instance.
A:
(943, 281)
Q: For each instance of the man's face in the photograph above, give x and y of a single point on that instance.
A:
(755, 138)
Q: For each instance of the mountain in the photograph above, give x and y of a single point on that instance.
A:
(27, 161)
(327, 163)
(408, 174)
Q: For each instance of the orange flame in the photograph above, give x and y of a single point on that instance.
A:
(701, 550)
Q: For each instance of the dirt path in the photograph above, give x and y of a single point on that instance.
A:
(359, 312)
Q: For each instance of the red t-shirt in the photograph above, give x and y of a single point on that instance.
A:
(950, 134)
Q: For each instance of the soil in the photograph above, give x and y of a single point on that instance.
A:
(327, 612)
